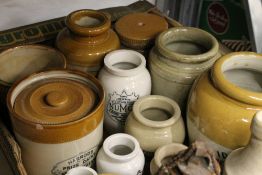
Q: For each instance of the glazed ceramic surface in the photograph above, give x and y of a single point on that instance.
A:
(21, 61)
(87, 39)
(223, 101)
(247, 160)
(179, 56)
(55, 114)
(81, 171)
(120, 154)
(155, 121)
(125, 79)
(163, 152)
(144, 29)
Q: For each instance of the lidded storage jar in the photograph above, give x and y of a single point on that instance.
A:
(139, 30)
(155, 121)
(125, 79)
(87, 39)
(179, 56)
(57, 118)
(224, 100)
(21, 61)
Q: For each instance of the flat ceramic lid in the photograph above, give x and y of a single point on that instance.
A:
(55, 101)
(140, 27)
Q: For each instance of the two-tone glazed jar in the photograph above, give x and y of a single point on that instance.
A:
(224, 100)
(155, 121)
(21, 61)
(87, 39)
(120, 154)
(57, 118)
(125, 79)
(179, 56)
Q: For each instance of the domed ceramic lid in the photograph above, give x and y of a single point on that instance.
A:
(55, 101)
(137, 30)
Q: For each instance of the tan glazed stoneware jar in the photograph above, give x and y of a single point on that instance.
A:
(21, 61)
(224, 100)
(179, 56)
(57, 118)
(87, 39)
(155, 121)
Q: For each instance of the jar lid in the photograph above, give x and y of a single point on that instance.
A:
(138, 30)
(55, 101)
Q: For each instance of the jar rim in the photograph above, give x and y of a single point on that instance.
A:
(126, 57)
(189, 34)
(158, 102)
(226, 63)
(123, 140)
(89, 30)
(81, 169)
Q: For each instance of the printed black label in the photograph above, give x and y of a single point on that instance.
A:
(139, 172)
(86, 158)
(119, 105)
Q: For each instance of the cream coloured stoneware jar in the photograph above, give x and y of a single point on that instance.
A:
(120, 154)
(57, 118)
(125, 79)
(155, 121)
(179, 56)
(81, 170)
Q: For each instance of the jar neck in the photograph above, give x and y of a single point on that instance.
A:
(124, 62)
(121, 147)
(187, 45)
(156, 111)
(234, 86)
(91, 39)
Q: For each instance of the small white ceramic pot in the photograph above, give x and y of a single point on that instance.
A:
(125, 79)
(82, 170)
(120, 154)
(163, 152)
(155, 121)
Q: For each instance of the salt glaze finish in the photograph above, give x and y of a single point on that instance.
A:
(120, 154)
(179, 56)
(159, 119)
(224, 100)
(55, 114)
(163, 152)
(87, 39)
(125, 79)
(247, 160)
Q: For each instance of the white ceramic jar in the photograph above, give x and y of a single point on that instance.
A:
(57, 118)
(120, 154)
(155, 121)
(81, 170)
(125, 79)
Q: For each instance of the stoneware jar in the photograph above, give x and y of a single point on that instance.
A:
(247, 160)
(144, 29)
(224, 100)
(21, 61)
(179, 56)
(81, 170)
(155, 121)
(57, 118)
(120, 154)
(87, 39)
(125, 79)
(163, 152)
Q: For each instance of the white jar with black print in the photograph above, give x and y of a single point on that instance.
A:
(125, 79)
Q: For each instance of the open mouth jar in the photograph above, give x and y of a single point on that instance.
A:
(179, 56)
(57, 118)
(224, 100)
(87, 39)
